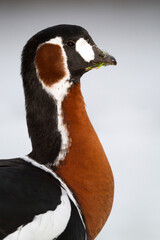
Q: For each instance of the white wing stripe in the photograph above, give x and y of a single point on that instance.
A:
(46, 169)
(45, 226)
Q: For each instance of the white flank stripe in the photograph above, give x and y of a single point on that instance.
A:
(85, 50)
(46, 169)
(45, 226)
(58, 91)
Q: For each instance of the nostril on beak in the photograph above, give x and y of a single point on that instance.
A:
(101, 55)
(106, 57)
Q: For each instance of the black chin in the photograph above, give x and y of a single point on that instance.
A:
(75, 80)
(76, 75)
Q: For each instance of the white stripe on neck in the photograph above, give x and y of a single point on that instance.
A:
(59, 91)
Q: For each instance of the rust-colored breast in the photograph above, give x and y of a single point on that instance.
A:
(86, 169)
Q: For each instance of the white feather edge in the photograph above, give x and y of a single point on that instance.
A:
(46, 226)
(46, 169)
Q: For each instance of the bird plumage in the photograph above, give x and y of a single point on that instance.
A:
(64, 188)
(35, 199)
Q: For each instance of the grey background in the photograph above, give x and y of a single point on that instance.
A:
(122, 102)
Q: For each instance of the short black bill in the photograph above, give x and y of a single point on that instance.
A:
(101, 59)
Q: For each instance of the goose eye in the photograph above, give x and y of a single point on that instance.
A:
(71, 43)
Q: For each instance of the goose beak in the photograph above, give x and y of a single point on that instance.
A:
(101, 59)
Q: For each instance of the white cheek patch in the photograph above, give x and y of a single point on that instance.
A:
(85, 50)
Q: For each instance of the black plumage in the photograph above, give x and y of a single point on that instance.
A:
(28, 191)
(41, 109)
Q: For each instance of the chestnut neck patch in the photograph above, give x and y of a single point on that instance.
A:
(52, 71)
(50, 64)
